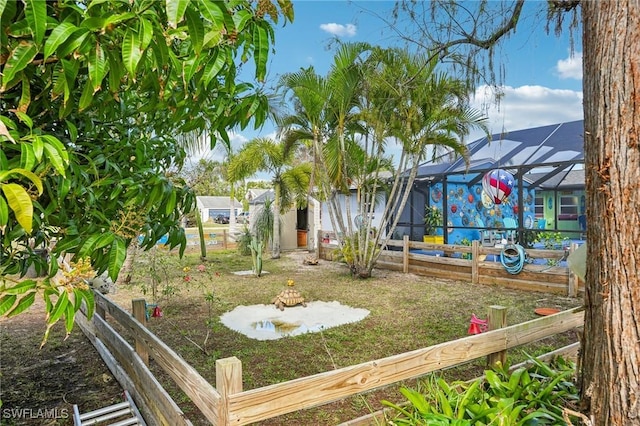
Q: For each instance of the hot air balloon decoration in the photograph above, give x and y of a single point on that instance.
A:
(498, 184)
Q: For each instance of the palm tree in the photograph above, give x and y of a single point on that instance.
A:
(375, 98)
(290, 181)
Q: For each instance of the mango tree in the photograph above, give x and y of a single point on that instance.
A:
(93, 96)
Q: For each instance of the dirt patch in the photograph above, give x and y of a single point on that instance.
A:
(40, 386)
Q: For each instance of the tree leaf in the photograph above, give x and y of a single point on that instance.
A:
(21, 288)
(146, 32)
(261, 51)
(53, 155)
(69, 317)
(38, 146)
(3, 4)
(213, 67)
(27, 156)
(21, 56)
(175, 11)
(20, 202)
(55, 142)
(23, 304)
(196, 30)
(25, 96)
(37, 182)
(117, 254)
(6, 303)
(59, 35)
(36, 14)
(97, 67)
(4, 214)
(131, 52)
(87, 96)
(61, 305)
(212, 11)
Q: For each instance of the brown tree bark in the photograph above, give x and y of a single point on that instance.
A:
(611, 345)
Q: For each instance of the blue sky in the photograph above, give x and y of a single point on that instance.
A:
(542, 83)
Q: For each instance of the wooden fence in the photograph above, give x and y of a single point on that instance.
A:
(476, 264)
(228, 404)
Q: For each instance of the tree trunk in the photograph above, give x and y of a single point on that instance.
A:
(275, 250)
(610, 359)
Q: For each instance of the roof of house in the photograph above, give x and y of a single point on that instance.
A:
(252, 193)
(208, 202)
(552, 149)
(267, 194)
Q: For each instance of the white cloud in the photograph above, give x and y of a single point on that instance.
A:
(570, 67)
(348, 30)
(219, 152)
(525, 107)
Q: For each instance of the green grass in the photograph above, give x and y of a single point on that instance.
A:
(407, 312)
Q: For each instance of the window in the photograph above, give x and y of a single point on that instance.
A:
(539, 207)
(568, 207)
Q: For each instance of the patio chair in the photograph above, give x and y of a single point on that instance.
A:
(510, 226)
(487, 237)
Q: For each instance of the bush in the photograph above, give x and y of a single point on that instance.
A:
(537, 394)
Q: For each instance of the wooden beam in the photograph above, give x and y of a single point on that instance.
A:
(139, 307)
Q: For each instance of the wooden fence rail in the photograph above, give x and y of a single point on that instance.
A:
(227, 404)
(469, 263)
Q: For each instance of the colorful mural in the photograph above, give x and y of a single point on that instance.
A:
(466, 210)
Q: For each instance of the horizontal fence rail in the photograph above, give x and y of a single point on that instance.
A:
(469, 263)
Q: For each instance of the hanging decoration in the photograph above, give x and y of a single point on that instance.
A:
(498, 184)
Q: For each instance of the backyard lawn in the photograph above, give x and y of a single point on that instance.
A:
(406, 312)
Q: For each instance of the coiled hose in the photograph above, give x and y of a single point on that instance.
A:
(513, 258)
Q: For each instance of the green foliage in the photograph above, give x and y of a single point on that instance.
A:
(551, 240)
(536, 394)
(432, 219)
(93, 99)
(244, 242)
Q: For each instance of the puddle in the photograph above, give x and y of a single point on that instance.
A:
(265, 322)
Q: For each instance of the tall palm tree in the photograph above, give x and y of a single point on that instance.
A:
(290, 180)
(376, 99)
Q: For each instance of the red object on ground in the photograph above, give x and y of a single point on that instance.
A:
(477, 325)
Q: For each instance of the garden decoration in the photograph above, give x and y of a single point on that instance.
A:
(289, 297)
(477, 325)
(310, 260)
(498, 184)
(256, 247)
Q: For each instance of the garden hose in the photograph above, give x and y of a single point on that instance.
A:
(513, 258)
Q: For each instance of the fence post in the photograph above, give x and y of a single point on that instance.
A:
(572, 290)
(140, 313)
(475, 260)
(228, 382)
(319, 244)
(405, 254)
(497, 319)
(224, 239)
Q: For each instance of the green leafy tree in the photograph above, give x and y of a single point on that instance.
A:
(290, 182)
(471, 33)
(93, 96)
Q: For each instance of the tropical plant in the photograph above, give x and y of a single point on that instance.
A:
(432, 219)
(290, 180)
(536, 394)
(370, 98)
(93, 97)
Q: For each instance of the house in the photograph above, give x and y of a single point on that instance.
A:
(298, 226)
(210, 207)
(547, 165)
